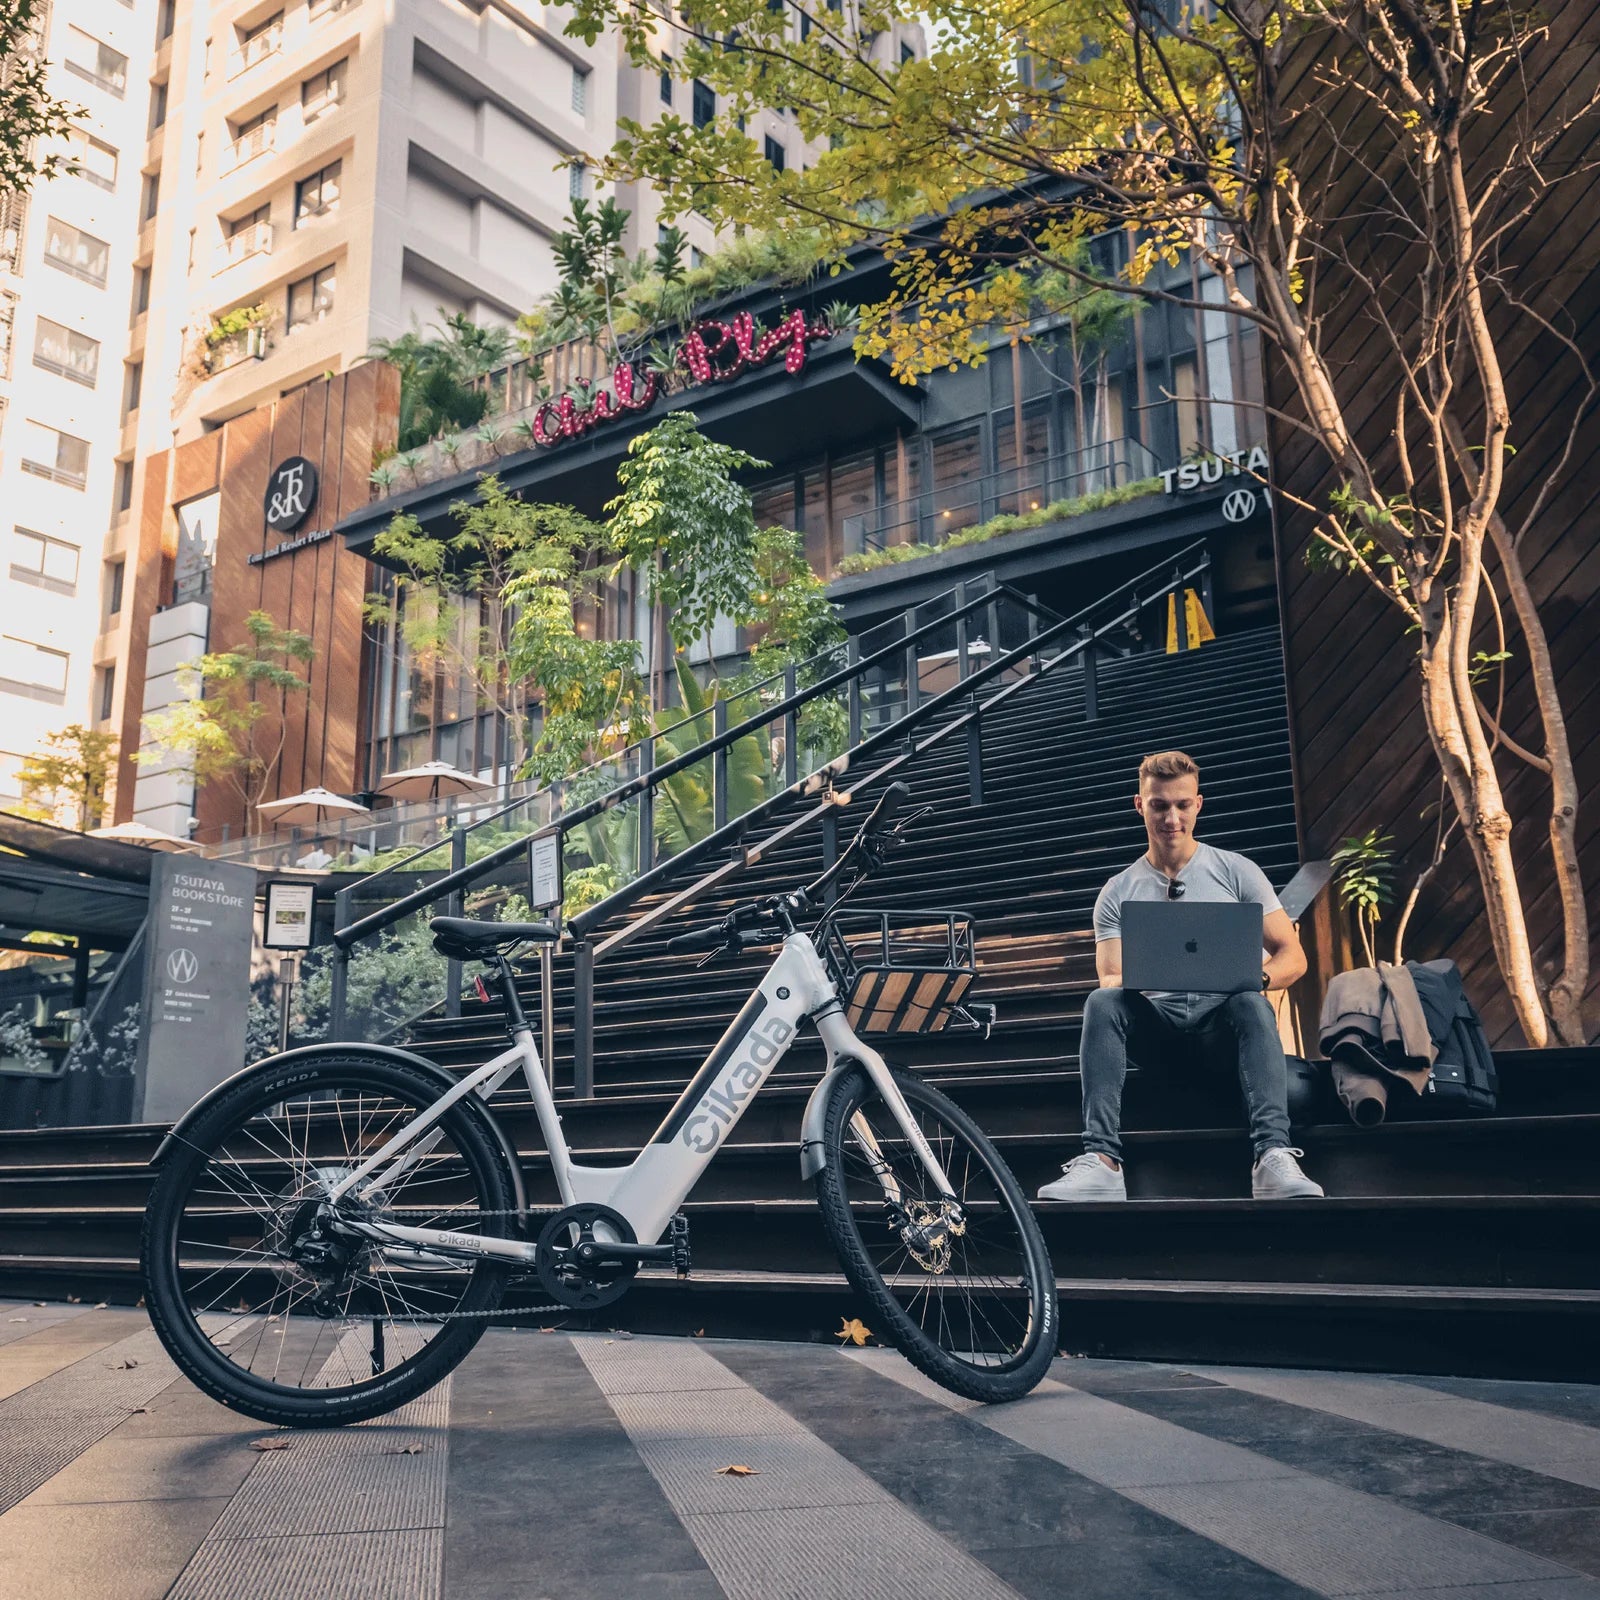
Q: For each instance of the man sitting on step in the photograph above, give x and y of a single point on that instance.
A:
(1183, 1032)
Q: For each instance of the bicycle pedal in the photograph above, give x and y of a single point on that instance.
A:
(678, 1238)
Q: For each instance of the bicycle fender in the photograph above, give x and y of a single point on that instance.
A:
(444, 1080)
(813, 1154)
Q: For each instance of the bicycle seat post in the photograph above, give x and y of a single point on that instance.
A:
(515, 1019)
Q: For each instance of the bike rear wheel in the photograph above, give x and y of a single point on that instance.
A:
(968, 1296)
(308, 1331)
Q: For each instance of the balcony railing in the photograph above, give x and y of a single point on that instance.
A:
(249, 145)
(256, 240)
(936, 513)
(254, 50)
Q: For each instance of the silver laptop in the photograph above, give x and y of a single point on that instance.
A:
(1207, 947)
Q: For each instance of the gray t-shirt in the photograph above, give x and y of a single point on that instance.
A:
(1209, 875)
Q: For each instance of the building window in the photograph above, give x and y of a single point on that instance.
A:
(666, 80)
(319, 194)
(8, 328)
(805, 25)
(13, 224)
(116, 576)
(705, 104)
(124, 485)
(906, 53)
(254, 136)
(152, 197)
(61, 457)
(46, 563)
(158, 108)
(96, 63)
(775, 153)
(132, 386)
(141, 293)
(93, 159)
(311, 299)
(167, 22)
(108, 691)
(76, 252)
(580, 91)
(576, 175)
(257, 42)
(33, 669)
(322, 91)
(66, 352)
(249, 235)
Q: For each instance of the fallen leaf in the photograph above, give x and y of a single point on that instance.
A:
(74, 1300)
(38, 1302)
(699, 1333)
(125, 1366)
(547, 1330)
(275, 1443)
(855, 1330)
(738, 1471)
(99, 1305)
(140, 1411)
(402, 1450)
(16, 1319)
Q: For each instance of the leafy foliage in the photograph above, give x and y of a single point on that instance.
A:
(1363, 873)
(1056, 511)
(437, 373)
(73, 772)
(30, 116)
(233, 729)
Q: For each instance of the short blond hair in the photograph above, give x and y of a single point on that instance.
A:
(1168, 764)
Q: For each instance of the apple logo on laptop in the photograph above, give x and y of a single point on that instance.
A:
(1191, 945)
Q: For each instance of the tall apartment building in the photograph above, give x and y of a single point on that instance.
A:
(66, 253)
(267, 187)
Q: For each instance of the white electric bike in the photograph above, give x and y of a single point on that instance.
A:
(331, 1230)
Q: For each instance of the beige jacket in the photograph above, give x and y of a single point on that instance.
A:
(1377, 1008)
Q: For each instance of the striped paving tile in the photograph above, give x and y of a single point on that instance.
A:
(808, 1525)
(1323, 1535)
(355, 1513)
(22, 1319)
(1545, 1444)
(55, 1419)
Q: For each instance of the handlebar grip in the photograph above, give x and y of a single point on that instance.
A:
(889, 802)
(712, 938)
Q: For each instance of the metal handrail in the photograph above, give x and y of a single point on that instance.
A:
(464, 876)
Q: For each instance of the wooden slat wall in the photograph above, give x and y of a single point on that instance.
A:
(319, 590)
(1362, 756)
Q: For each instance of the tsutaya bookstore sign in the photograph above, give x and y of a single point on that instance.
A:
(712, 352)
(1211, 470)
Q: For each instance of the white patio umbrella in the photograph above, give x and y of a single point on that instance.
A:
(430, 781)
(315, 805)
(150, 838)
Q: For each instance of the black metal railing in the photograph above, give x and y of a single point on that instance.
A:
(884, 698)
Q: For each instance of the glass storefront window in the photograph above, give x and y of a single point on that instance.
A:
(956, 461)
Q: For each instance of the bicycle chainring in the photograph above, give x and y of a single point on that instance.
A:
(571, 1260)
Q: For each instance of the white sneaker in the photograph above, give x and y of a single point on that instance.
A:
(1087, 1177)
(1277, 1176)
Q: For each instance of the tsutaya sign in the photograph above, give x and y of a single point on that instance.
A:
(711, 351)
(1211, 470)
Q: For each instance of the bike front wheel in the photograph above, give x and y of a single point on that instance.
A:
(253, 1287)
(966, 1290)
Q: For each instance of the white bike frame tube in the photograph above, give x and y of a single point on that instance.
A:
(651, 1188)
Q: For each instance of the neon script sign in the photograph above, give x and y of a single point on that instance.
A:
(712, 352)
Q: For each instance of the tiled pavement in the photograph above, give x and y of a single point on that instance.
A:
(585, 1468)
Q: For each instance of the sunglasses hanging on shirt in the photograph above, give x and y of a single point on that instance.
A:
(1175, 889)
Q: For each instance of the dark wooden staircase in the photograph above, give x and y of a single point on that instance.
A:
(1454, 1246)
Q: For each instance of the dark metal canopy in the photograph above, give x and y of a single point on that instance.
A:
(835, 404)
(55, 881)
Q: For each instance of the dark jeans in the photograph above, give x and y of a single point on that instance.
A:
(1242, 1033)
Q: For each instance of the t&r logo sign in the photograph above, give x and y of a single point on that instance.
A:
(291, 493)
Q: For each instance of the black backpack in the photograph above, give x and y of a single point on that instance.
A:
(1464, 1077)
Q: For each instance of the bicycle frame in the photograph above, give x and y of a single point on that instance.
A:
(651, 1188)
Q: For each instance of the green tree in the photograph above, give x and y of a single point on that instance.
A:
(1305, 154)
(73, 772)
(233, 729)
(438, 373)
(685, 525)
(29, 114)
(475, 605)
